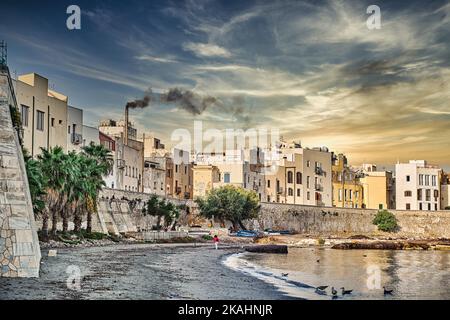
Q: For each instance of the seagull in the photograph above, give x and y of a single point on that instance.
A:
(386, 291)
(321, 288)
(344, 292)
(284, 274)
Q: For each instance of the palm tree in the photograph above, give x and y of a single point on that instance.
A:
(102, 166)
(37, 183)
(52, 166)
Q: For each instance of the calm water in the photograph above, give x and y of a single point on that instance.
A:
(412, 274)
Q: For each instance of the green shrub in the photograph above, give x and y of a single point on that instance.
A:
(207, 237)
(385, 221)
(321, 241)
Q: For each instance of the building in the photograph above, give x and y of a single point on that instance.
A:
(115, 178)
(153, 146)
(90, 135)
(181, 175)
(155, 175)
(347, 187)
(204, 178)
(44, 114)
(445, 191)
(417, 186)
(114, 128)
(378, 188)
(74, 129)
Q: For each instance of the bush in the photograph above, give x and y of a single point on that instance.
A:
(207, 237)
(385, 221)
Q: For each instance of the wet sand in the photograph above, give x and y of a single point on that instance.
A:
(140, 271)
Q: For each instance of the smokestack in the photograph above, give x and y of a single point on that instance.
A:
(125, 134)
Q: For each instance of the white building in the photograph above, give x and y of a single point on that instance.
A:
(74, 129)
(417, 186)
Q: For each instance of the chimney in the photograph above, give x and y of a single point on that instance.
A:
(125, 134)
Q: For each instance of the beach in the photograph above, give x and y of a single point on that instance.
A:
(140, 271)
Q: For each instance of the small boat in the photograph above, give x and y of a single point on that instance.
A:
(246, 233)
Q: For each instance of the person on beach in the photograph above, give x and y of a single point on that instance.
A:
(216, 241)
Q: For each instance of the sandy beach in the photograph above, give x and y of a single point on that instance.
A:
(140, 271)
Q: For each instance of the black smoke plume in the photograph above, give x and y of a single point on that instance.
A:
(188, 100)
(141, 103)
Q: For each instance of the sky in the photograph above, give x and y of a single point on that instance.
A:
(311, 69)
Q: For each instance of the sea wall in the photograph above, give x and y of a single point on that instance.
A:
(19, 245)
(341, 221)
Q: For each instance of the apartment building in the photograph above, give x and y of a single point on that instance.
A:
(43, 112)
(181, 175)
(204, 178)
(378, 188)
(153, 146)
(155, 175)
(347, 188)
(417, 186)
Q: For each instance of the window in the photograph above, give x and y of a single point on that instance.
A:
(290, 192)
(226, 177)
(436, 194)
(420, 179)
(408, 193)
(433, 181)
(40, 120)
(351, 195)
(268, 198)
(290, 177)
(268, 183)
(185, 169)
(53, 122)
(307, 182)
(380, 206)
(428, 195)
(68, 129)
(176, 168)
(427, 180)
(308, 196)
(408, 178)
(112, 185)
(340, 195)
(308, 163)
(299, 178)
(429, 207)
(408, 206)
(298, 192)
(435, 207)
(24, 115)
(419, 194)
(420, 206)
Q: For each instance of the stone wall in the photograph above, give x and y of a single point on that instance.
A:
(341, 221)
(19, 246)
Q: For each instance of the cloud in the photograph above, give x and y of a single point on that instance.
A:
(206, 50)
(156, 59)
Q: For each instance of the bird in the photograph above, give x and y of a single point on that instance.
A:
(386, 291)
(344, 292)
(321, 288)
(333, 292)
(284, 274)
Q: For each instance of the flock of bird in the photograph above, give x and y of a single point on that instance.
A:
(334, 292)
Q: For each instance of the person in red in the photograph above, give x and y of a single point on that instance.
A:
(216, 241)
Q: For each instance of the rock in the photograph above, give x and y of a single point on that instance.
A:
(267, 249)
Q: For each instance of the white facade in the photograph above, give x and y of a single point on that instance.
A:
(417, 186)
(90, 135)
(74, 129)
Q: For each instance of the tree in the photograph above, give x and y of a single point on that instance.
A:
(385, 221)
(37, 183)
(163, 210)
(230, 203)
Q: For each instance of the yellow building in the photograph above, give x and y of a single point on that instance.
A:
(378, 189)
(43, 112)
(347, 188)
(204, 178)
(182, 175)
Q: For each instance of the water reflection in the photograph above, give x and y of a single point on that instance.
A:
(412, 274)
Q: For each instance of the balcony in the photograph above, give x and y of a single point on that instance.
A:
(319, 171)
(120, 163)
(77, 138)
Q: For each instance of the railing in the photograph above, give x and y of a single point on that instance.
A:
(77, 138)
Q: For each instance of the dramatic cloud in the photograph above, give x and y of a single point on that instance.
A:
(206, 50)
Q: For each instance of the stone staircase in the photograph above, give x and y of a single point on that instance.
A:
(19, 246)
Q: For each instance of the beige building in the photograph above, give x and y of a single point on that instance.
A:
(378, 188)
(347, 187)
(181, 175)
(155, 175)
(43, 112)
(204, 179)
(74, 129)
